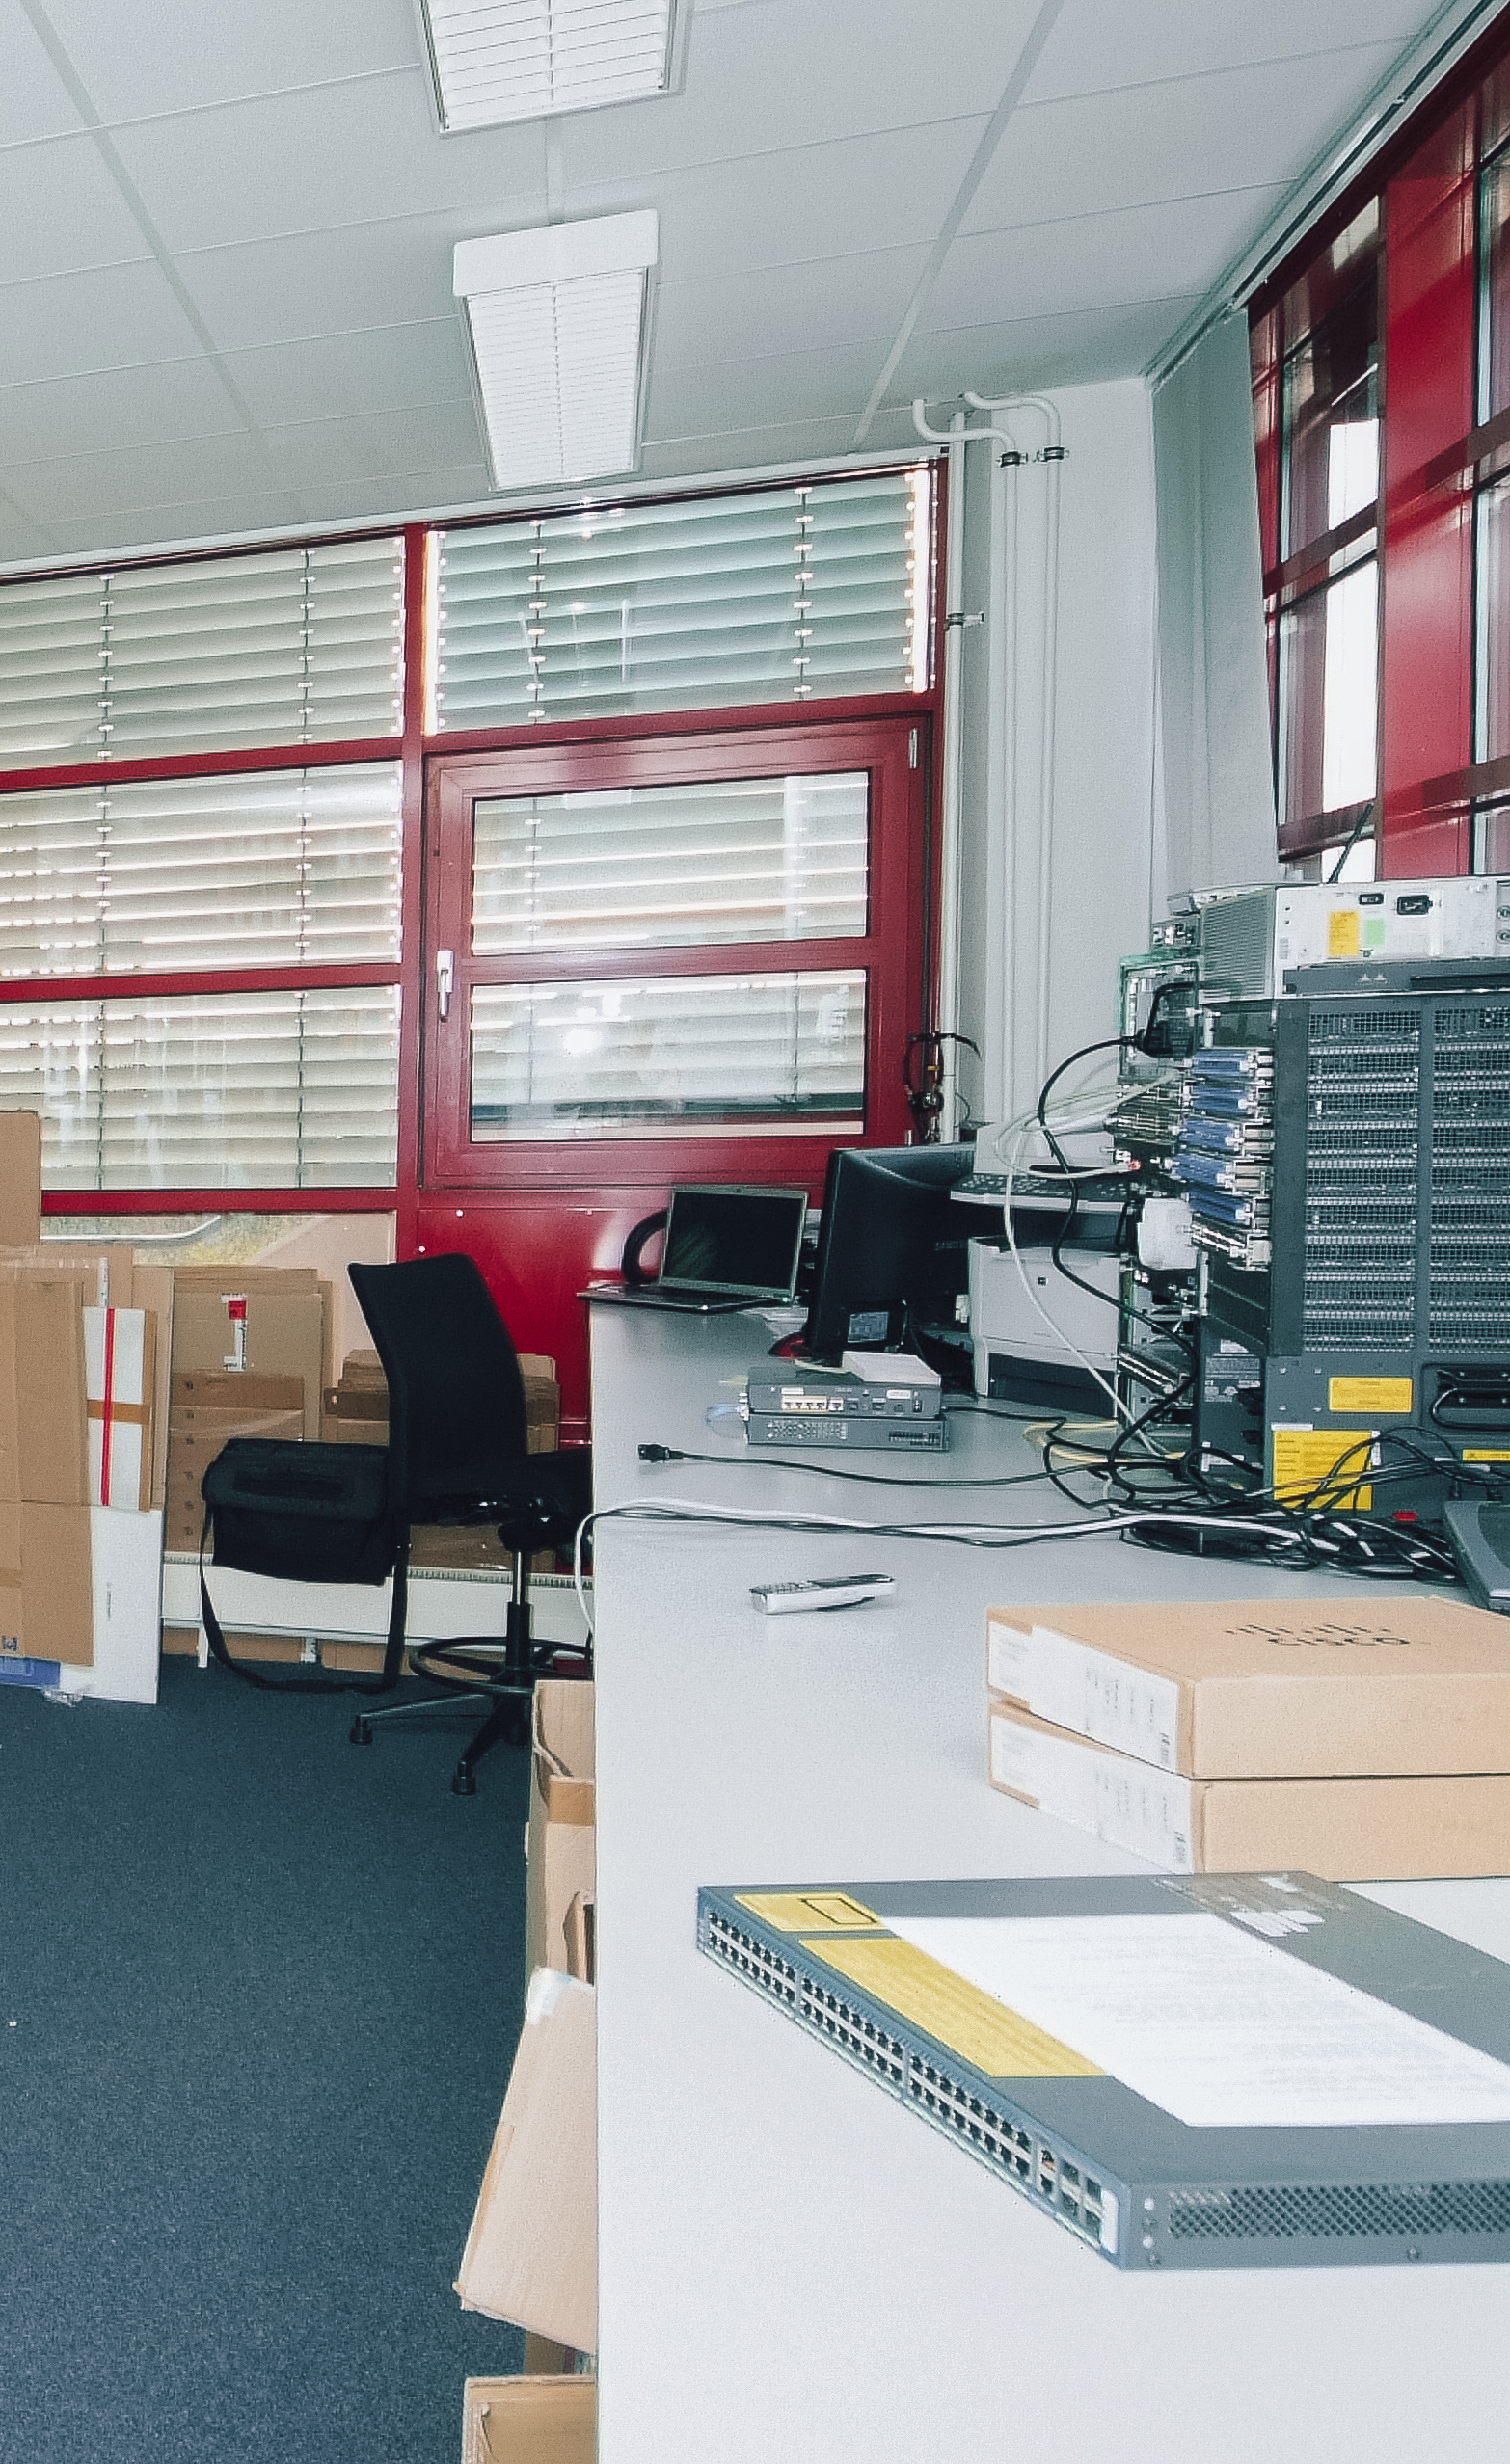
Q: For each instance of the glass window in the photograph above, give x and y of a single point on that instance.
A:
(1332, 420)
(778, 859)
(1329, 696)
(275, 1089)
(689, 1055)
(711, 602)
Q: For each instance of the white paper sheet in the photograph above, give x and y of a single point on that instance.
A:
(1224, 2031)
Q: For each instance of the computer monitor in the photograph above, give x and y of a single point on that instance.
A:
(892, 1247)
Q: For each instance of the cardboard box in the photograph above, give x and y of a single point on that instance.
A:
(283, 1328)
(561, 1841)
(1307, 1689)
(1379, 1829)
(209, 1407)
(45, 1611)
(46, 1597)
(20, 1179)
(120, 1387)
(531, 2255)
(529, 2420)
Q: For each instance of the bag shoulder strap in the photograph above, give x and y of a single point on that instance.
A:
(392, 1653)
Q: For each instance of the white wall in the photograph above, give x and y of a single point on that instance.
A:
(1057, 857)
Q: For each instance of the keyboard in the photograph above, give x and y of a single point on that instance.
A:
(1103, 1191)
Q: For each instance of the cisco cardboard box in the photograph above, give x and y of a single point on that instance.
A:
(529, 2420)
(560, 1843)
(45, 1597)
(1383, 1829)
(1297, 1689)
(531, 2255)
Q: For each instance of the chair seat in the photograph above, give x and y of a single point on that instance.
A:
(543, 1497)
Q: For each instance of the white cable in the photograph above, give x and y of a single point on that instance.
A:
(1052, 1323)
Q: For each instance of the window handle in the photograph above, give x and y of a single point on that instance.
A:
(444, 981)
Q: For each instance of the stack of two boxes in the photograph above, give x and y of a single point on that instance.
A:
(1360, 1739)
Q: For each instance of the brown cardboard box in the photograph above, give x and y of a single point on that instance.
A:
(529, 2420)
(20, 1179)
(1380, 1830)
(207, 1409)
(285, 1328)
(182, 1642)
(531, 2255)
(47, 1602)
(560, 1841)
(46, 1590)
(1307, 1689)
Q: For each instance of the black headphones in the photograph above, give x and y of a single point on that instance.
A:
(639, 1239)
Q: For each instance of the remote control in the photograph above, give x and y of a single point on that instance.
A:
(836, 1591)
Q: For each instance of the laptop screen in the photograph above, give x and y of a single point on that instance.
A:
(734, 1241)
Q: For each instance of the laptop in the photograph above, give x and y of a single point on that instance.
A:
(724, 1248)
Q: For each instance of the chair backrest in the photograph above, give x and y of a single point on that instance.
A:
(455, 1395)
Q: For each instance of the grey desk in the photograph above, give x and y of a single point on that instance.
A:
(789, 2265)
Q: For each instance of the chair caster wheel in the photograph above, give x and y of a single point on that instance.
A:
(360, 1731)
(462, 1783)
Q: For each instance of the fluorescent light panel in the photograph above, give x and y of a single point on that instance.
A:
(495, 60)
(554, 318)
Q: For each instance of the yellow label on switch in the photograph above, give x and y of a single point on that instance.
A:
(799, 1912)
(1370, 1394)
(1342, 933)
(1486, 1454)
(1304, 1459)
(952, 2010)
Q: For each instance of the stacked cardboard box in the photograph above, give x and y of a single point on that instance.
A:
(355, 1411)
(531, 2254)
(209, 1407)
(1355, 1738)
(529, 2420)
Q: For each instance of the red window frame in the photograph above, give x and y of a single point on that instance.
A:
(887, 749)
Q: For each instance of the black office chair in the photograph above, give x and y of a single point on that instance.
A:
(457, 1452)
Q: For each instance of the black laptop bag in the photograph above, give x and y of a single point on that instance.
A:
(304, 1514)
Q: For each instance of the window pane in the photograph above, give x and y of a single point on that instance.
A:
(769, 597)
(689, 1055)
(1492, 594)
(1494, 300)
(300, 646)
(1332, 421)
(725, 860)
(269, 867)
(1329, 696)
(272, 1090)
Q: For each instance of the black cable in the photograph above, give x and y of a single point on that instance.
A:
(806, 1463)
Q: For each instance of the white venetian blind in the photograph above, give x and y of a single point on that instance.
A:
(778, 595)
(267, 1090)
(669, 1054)
(774, 859)
(262, 868)
(294, 646)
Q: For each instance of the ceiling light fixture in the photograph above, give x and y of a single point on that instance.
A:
(495, 60)
(555, 318)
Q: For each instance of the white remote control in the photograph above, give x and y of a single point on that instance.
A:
(837, 1591)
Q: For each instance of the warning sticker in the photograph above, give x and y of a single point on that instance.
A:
(1370, 1394)
(796, 1912)
(1342, 933)
(952, 2011)
(1303, 1458)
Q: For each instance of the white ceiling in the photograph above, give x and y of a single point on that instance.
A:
(225, 231)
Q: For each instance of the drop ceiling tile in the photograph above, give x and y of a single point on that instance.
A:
(211, 522)
(1031, 353)
(790, 209)
(327, 283)
(326, 157)
(34, 101)
(1140, 146)
(180, 55)
(61, 211)
(1099, 261)
(109, 484)
(809, 442)
(380, 446)
(1100, 43)
(450, 488)
(787, 75)
(119, 316)
(817, 384)
(829, 299)
(118, 407)
(393, 367)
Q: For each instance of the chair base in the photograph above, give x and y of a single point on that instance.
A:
(509, 1693)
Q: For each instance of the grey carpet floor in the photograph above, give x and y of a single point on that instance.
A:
(258, 1995)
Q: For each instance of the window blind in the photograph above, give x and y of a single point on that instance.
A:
(774, 859)
(271, 1090)
(686, 1055)
(266, 867)
(770, 597)
(296, 646)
